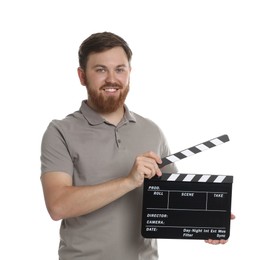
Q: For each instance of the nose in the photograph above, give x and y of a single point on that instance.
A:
(110, 77)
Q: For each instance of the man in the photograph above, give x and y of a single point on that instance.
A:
(95, 160)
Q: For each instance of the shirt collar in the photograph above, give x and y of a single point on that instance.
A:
(94, 118)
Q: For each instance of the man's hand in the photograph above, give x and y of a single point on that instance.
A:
(145, 166)
(219, 241)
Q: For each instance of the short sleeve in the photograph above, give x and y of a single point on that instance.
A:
(55, 154)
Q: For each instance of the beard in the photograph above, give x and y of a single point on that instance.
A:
(107, 104)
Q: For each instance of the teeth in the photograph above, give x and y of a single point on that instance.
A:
(110, 89)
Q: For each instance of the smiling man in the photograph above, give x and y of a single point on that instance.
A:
(94, 161)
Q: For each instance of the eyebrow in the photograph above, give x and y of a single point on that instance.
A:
(103, 66)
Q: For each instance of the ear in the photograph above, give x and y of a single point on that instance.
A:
(82, 76)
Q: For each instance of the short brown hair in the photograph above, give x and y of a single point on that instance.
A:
(99, 42)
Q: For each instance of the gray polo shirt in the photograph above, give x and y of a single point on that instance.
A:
(93, 151)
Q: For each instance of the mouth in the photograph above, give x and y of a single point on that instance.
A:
(111, 90)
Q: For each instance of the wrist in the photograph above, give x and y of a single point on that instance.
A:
(129, 183)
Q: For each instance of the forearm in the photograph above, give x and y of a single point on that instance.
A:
(64, 200)
(75, 201)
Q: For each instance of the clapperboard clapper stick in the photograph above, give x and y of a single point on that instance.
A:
(194, 150)
(187, 205)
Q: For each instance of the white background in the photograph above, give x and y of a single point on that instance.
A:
(200, 69)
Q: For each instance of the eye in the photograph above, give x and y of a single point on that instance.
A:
(100, 70)
(120, 69)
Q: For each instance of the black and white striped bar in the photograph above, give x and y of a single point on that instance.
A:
(194, 150)
(203, 178)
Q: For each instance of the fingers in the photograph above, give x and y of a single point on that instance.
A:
(221, 241)
(151, 169)
(216, 241)
(145, 166)
(150, 162)
(153, 156)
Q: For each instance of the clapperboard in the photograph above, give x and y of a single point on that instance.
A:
(185, 205)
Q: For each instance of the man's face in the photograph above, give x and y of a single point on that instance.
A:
(107, 78)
